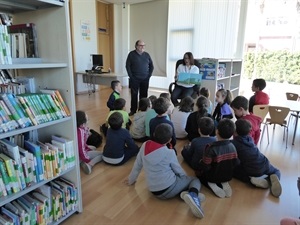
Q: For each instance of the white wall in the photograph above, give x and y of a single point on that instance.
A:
(221, 33)
(83, 11)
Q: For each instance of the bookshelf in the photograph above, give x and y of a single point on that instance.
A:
(226, 73)
(53, 70)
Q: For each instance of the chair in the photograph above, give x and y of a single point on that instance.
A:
(261, 111)
(196, 87)
(292, 97)
(277, 116)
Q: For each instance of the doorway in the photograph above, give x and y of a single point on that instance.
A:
(105, 34)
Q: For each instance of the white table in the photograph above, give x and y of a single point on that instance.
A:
(294, 107)
(99, 78)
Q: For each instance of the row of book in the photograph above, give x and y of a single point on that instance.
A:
(36, 162)
(30, 109)
(45, 205)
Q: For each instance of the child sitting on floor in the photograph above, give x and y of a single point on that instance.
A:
(120, 146)
(165, 176)
(180, 115)
(194, 152)
(253, 164)
(119, 106)
(117, 88)
(88, 154)
(219, 159)
(222, 110)
(137, 128)
(240, 109)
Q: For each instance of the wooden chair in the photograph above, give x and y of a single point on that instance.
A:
(292, 97)
(277, 116)
(261, 111)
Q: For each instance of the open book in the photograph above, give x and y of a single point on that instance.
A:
(189, 78)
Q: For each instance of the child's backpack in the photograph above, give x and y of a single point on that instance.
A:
(95, 139)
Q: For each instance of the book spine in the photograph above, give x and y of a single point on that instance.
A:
(12, 175)
(3, 191)
(43, 107)
(54, 106)
(33, 109)
(28, 111)
(65, 107)
(38, 108)
(5, 177)
(13, 111)
(52, 112)
(19, 110)
(25, 171)
(20, 175)
(12, 123)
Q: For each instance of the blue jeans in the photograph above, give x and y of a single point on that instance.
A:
(182, 183)
(180, 92)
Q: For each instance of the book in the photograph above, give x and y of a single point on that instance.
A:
(22, 213)
(55, 94)
(3, 191)
(30, 209)
(5, 177)
(36, 151)
(45, 202)
(28, 82)
(38, 206)
(14, 113)
(6, 220)
(9, 164)
(189, 78)
(46, 191)
(14, 217)
(69, 150)
(12, 124)
(31, 37)
(30, 165)
(12, 150)
(27, 109)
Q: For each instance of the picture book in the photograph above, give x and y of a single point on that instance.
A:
(189, 78)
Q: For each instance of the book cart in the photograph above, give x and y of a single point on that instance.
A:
(53, 70)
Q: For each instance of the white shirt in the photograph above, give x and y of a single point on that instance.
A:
(179, 119)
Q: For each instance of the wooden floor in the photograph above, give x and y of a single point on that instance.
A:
(106, 200)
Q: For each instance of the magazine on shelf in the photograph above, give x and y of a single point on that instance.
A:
(189, 78)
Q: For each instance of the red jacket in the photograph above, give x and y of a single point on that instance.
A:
(261, 98)
(255, 123)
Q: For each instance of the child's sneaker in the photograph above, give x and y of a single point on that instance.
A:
(217, 190)
(200, 196)
(87, 169)
(259, 182)
(192, 200)
(227, 189)
(275, 185)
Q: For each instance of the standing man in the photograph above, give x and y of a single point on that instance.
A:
(139, 67)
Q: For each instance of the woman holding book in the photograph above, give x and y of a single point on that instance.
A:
(183, 89)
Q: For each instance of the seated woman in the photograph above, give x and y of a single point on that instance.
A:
(181, 89)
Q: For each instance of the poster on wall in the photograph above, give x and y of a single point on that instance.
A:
(85, 30)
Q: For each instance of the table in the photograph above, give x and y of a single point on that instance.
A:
(295, 108)
(99, 78)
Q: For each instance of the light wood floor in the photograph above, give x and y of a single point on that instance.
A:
(106, 200)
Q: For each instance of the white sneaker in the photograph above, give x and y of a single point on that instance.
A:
(87, 169)
(217, 190)
(275, 185)
(259, 182)
(227, 189)
(201, 196)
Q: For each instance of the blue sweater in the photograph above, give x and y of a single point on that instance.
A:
(139, 67)
(117, 141)
(251, 159)
(158, 120)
